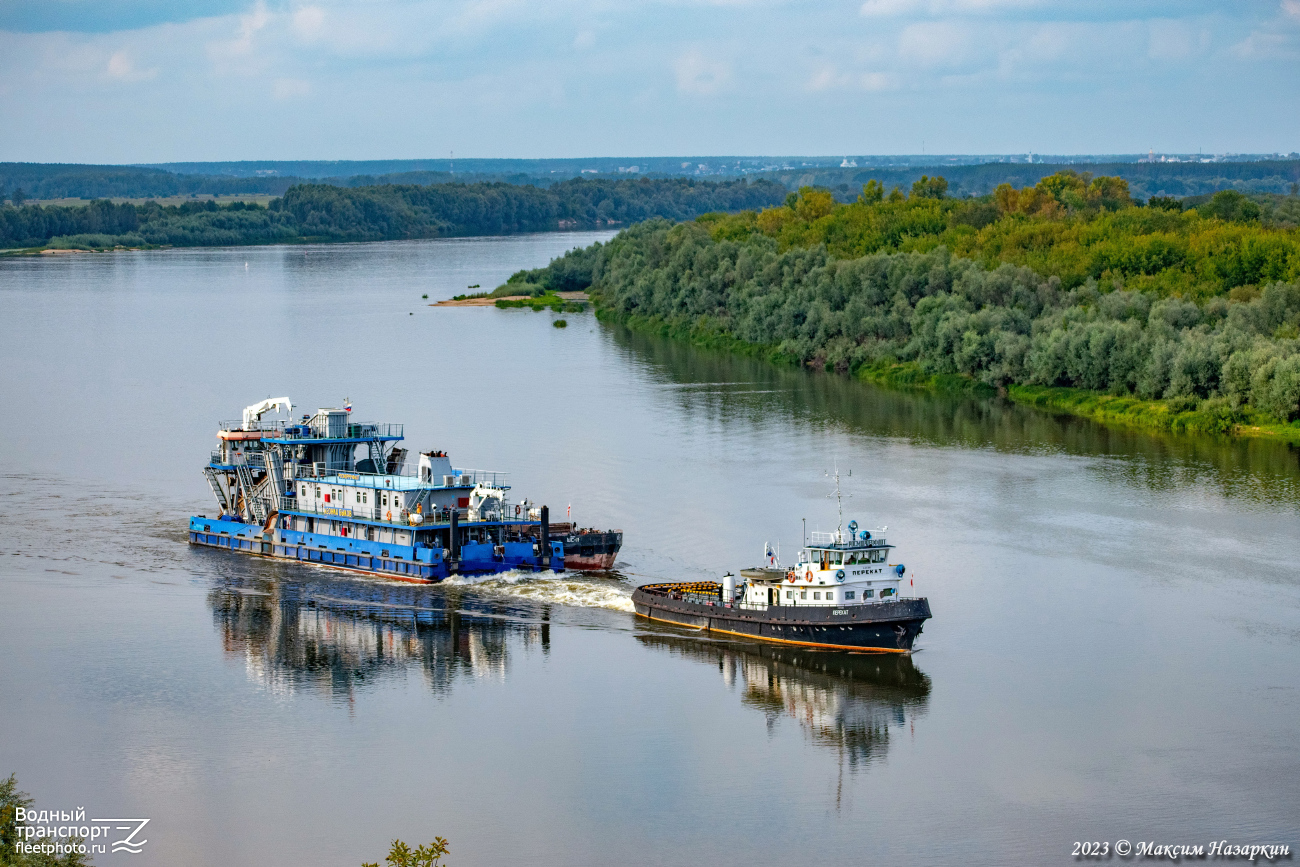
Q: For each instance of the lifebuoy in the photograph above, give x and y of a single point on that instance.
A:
(389, 516)
(807, 576)
(516, 511)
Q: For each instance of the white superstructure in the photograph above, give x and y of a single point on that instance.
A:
(837, 569)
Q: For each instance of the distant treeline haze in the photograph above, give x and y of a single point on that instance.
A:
(319, 212)
(1065, 283)
(59, 181)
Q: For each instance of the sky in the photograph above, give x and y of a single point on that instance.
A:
(135, 81)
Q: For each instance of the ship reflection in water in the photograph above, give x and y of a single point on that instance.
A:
(847, 702)
(338, 637)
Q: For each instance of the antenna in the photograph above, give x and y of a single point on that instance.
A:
(839, 505)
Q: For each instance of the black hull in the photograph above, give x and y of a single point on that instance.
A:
(886, 627)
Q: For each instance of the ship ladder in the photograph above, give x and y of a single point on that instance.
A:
(256, 508)
(215, 484)
(275, 478)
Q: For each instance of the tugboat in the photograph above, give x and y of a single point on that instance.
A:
(296, 490)
(842, 594)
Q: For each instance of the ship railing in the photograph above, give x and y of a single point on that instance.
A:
(459, 478)
(305, 430)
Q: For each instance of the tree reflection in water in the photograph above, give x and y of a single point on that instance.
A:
(849, 702)
(337, 636)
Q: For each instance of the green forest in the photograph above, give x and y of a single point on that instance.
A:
(1067, 293)
(322, 212)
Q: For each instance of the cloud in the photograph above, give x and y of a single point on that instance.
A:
(939, 44)
(290, 88)
(121, 67)
(309, 22)
(700, 74)
(878, 81)
(584, 39)
(901, 8)
(830, 78)
(1291, 7)
(1174, 40)
(242, 45)
(1262, 45)
(890, 8)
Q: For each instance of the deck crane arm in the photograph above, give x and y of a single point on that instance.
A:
(254, 413)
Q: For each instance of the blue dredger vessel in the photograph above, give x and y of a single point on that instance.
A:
(297, 490)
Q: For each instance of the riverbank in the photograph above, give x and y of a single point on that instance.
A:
(1214, 416)
(1180, 415)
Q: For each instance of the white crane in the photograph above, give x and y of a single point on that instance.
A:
(253, 414)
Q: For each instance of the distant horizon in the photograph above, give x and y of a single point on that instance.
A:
(917, 160)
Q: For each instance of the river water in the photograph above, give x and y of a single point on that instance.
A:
(1114, 654)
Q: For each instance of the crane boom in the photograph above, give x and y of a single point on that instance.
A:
(254, 413)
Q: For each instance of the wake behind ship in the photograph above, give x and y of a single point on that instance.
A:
(297, 490)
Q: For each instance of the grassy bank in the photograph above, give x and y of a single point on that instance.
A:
(905, 375)
(1213, 416)
(1179, 415)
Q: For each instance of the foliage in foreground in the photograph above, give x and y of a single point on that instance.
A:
(10, 800)
(402, 855)
(1227, 349)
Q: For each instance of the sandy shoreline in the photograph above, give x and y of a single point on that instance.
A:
(476, 302)
(491, 302)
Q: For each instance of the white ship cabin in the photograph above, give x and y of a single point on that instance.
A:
(427, 496)
(836, 569)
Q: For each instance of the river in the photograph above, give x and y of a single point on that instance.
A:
(1114, 654)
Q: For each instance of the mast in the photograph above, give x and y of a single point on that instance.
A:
(839, 505)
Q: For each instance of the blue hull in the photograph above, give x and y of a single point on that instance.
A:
(403, 562)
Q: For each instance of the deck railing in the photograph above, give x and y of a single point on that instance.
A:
(461, 477)
(305, 430)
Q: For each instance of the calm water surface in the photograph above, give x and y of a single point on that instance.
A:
(1115, 651)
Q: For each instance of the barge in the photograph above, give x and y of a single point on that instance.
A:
(326, 489)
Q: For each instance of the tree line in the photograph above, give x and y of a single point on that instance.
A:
(1065, 283)
(1180, 179)
(46, 181)
(321, 212)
